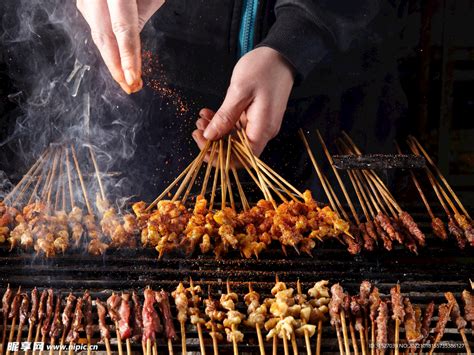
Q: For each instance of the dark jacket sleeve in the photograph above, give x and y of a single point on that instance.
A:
(306, 30)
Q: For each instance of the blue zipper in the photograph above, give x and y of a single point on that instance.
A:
(247, 26)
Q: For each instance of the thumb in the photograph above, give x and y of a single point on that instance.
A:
(235, 102)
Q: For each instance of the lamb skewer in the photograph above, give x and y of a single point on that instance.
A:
(104, 330)
(41, 315)
(151, 321)
(23, 315)
(458, 319)
(89, 321)
(374, 301)
(444, 311)
(113, 305)
(33, 315)
(382, 320)
(356, 312)
(76, 325)
(137, 321)
(336, 320)
(398, 313)
(164, 304)
(124, 328)
(468, 301)
(13, 314)
(66, 318)
(56, 324)
(7, 296)
(346, 306)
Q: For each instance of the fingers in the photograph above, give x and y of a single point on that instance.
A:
(263, 125)
(124, 23)
(97, 15)
(235, 102)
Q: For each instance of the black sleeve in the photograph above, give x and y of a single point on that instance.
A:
(306, 30)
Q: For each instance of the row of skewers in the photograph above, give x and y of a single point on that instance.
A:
(365, 323)
(286, 216)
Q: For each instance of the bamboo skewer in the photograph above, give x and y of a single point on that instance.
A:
(243, 198)
(208, 168)
(319, 337)
(154, 348)
(344, 332)
(233, 328)
(81, 180)
(30, 335)
(306, 334)
(440, 175)
(340, 342)
(107, 346)
(214, 186)
(261, 344)
(183, 337)
(53, 174)
(274, 345)
(194, 175)
(353, 339)
(12, 333)
(227, 177)
(97, 173)
(198, 325)
(128, 344)
(148, 347)
(119, 339)
(465, 341)
(38, 329)
(222, 175)
(69, 180)
(362, 341)
(59, 182)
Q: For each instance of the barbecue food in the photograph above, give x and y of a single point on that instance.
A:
(137, 318)
(456, 316)
(397, 303)
(216, 315)
(67, 312)
(124, 314)
(444, 311)
(151, 321)
(113, 305)
(25, 304)
(387, 242)
(369, 242)
(457, 233)
(76, 326)
(34, 307)
(164, 304)
(101, 312)
(41, 308)
(374, 301)
(89, 321)
(7, 296)
(412, 228)
(49, 313)
(356, 312)
(56, 325)
(427, 317)
(256, 312)
(385, 223)
(466, 226)
(438, 228)
(468, 301)
(15, 306)
(181, 302)
(335, 305)
(233, 317)
(364, 294)
(382, 321)
(412, 329)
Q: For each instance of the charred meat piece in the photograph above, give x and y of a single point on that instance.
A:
(67, 311)
(336, 303)
(124, 313)
(56, 325)
(374, 301)
(382, 320)
(113, 305)
(427, 317)
(444, 311)
(76, 325)
(25, 305)
(164, 304)
(87, 301)
(49, 313)
(412, 228)
(457, 233)
(438, 228)
(102, 312)
(386, 225)
(41, 308)
(456, 316)
(352, 246)
(369, 243)
(387, 242)
(15, 306)
(369, 225)
(356, 312)
(397, 303)
(413, 334)
(468, 301)
(34, 306)
(137, 318)
(364, 293)
(151, 321)
(7, 296)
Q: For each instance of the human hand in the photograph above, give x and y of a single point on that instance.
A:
(115, 29)
(257, 97)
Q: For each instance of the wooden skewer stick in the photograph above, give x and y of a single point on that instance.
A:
(285, 343)
(119, 339)
(49, 168)
(107, 346)
(129, 346)
(274, 345)
(306, 334)
(89, 351)
(227, 176)
(397, 328)
(319, 337)
(155, 348)
(215, 346)
(372, 337)
(339, 339)
(440, 175)
(12, 333)
(81, 180)
(170, 347)
(222, 174)
(69, 180)
(38, 329)
(194, 175)
(439, 336)
(97, 173)
(338, 177)
(208, 168)
(214, 187)
(52, 179)
(183, 337)
(148, 347)
(418, 187)
(243, 198)
(198, 325)
(362, 341)
(170, 187)
(382, 199)
(59, 183)
(353, 338)
(259, 331)
(464, 340)
(31, 175)
(30, 335)
(344, 332)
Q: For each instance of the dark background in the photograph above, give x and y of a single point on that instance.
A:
(416, 77)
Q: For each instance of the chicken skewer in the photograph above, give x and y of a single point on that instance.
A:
(256, 314)
(320, 300)
(13, 315)
(104, 330)
(195, 313)
(233, 318)
(458, 319)
(216, 316)
(301, 299)
(181, 302)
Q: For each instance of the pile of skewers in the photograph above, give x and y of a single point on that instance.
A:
(385, 220)
(387, 316)
(44, 212)
(365, 323)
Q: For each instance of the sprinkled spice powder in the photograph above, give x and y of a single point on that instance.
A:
(155, 78)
